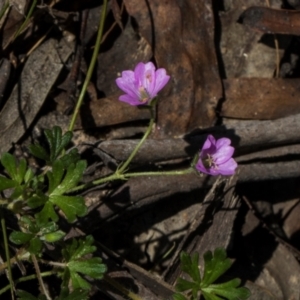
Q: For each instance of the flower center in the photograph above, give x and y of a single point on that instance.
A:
(209, 162)
(144, 96)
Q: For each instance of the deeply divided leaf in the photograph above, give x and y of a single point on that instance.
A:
(57, 141)
(215, 266)
(72, 206)
(189, 265)
(78, 264)
(73, 175)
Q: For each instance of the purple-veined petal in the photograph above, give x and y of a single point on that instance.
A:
(222, 142)
(139, 71)
(149, 79)
(131, 100)
(126, 84)
(223, 154)
(228, 168)
(209, 144)
(200, 167)
(161, 79)
(141, 84)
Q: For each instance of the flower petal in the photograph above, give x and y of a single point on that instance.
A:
(223, 154)
(222, 142)
(228, 168)
(127, 84)
(161, 79)
(210, 141)
(142, 84)
(131, 100)
(201, 168)
(149, 79)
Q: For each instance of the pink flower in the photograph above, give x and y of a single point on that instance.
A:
(215, 157)
(142, 84)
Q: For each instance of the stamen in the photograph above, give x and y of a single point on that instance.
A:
(144, 96)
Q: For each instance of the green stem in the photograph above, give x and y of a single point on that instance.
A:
(5, 240)
(4, 8)
(160, 173)
(26, 278)
(27, 18)
(118, 176)
(138, 146)
(91, 66)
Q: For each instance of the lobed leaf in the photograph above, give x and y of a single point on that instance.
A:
(71, 179)
(189, 265)
(178, 296)
(57, 142)
(214, 266)
(46, 213)
(20, 238)
(72, 206)
(6, 183)
(38, 151)
(229, 290)
(92, 267)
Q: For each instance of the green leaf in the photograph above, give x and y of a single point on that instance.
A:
(70, 157)
(9, 163)
(57, 141)
(179, 297)
(20, 238)
(35, 246)
(6, 183)
(229, 290)
(28, 175)
(37, 200)
(71, 179)
(15, 171)
(46, 213)
(92, 267)
(78, 282)
(21, 170)
(71, 206)
(53, 236)
(39, 152)
(74, 253)
(55, 176)
(184, 285)
(189, 265)
(78, 248)
(208, 296)
(214, 266)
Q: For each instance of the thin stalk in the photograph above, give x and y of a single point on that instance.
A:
(118, 176)
(32, 7)
(4, 8)
(138, 146)
(162, 173)
(39, 277)
(26, 278)
(91, 66)
(7, 256)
